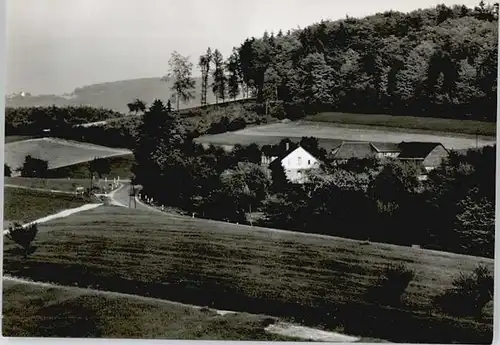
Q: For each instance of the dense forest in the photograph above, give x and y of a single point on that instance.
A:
(439, 62)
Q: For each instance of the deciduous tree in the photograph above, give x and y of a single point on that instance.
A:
(34, 167)
(137, 106)
(181, 76)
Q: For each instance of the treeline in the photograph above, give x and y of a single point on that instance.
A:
(33, 120)
(123, 133)
(439, 62)
(213, 120)
(371, 200)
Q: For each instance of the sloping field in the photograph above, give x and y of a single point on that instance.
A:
(25, 205)
(119, 166)
(229, 139)
(313, 279)
(408, 122)
(57, 152)
(336, 133)
(14, 138)
(61, 184)
(113, 95)
(41, 311)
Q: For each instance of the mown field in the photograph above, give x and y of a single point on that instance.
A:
(330, 134)
(312, 279)
(119, 167)
(230, 139)
(408, 122)
(61, 184)
(24, 205)
(40, 311)
(56, 152)
(14, 138)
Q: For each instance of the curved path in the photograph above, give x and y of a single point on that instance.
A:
(121, 196)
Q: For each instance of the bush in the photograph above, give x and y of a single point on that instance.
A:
(100, 166)
(469, 294)
(237, 124)
(23, 237)
(391, 286)
(6, 170)
(277, 111)
(294, 111)
(219, 127)
(34, 167)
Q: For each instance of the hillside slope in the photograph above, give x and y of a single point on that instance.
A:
(228, 266)
(57, 152)
(111, 95)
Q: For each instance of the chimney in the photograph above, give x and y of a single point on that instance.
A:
(287, 146)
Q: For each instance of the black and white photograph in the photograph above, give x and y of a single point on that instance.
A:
(265, 170)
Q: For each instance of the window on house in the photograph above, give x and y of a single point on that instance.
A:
(308, 162)
(299, 160)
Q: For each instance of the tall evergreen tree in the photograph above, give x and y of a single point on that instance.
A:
(219, 76)
(158, 134)
(233, 82)
(204, 63)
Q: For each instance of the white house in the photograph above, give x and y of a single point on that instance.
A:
(295, 162)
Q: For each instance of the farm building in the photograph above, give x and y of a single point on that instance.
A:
(427, 155)
(363, 150)
(296, 162)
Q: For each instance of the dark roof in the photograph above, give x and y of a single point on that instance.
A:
(349, 150)
(416, 150)
(387, 147)
(278, 151)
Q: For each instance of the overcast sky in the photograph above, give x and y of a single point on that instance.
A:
(54, 46)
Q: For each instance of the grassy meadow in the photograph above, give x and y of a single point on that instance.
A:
(57, 152)
(14, 138)
(332, 131)
(42, 311)
(310, 279)
(331, 135)
(24, 205)
(119, 167)
(408, 122)
(60, 184)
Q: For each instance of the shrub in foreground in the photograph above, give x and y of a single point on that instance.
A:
(23, 237)
(391, 286)
(7, 172)
(469, 294)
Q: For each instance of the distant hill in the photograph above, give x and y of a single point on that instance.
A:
(110, 95)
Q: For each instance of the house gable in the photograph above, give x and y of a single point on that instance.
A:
(299, 159)
(435, 157)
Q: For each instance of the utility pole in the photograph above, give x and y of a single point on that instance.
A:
(91, 173)
(131, 196)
